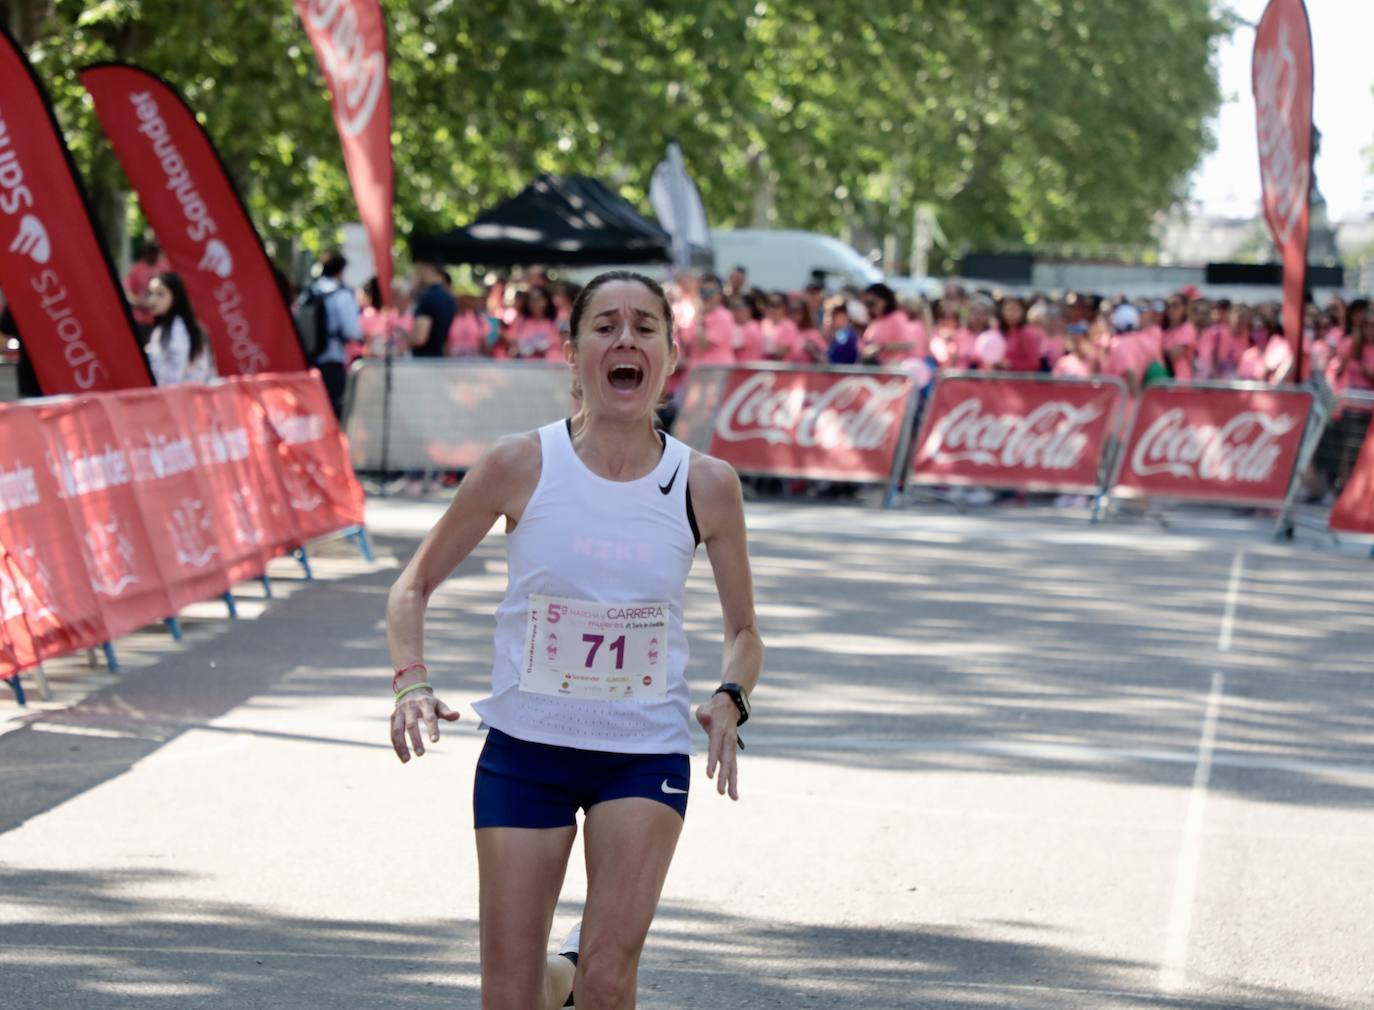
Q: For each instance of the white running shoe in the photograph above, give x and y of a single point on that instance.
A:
(569, 949)
(573, 943)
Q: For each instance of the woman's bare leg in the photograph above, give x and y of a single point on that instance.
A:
(629, 845)
(520, 872)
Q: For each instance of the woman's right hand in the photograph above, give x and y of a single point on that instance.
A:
(416, 707)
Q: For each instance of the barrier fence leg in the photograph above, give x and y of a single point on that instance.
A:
(300, 555)
(174, 626)
(233, 608)
(267, 586)
(41, 675)
(17, 688)
(359, 537)
(111, 660)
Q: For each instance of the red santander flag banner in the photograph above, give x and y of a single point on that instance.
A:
(58, 280)
(821, 425)
(187, 196)
(47, 605)
(1354, 509)
(1020, 433)
(349, 37)
(1282, 80)
(1228, 445)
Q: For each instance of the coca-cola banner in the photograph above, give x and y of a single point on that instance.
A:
(205, 231)
(95, 476)
(1035, 434)
(1237, 444)
(312, 457)
(190, 540)
(59, 283)
(1354, 509)
(842, 424)
(349, 37)
(1282, 81)
(47, 606)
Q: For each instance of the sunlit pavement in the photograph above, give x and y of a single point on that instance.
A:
(1000, 759)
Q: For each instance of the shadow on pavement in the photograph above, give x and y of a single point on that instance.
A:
(119, 951)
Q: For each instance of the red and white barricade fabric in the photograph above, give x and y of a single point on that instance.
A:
(295, 427)
(190, 540)
(1234, 443)
(1027, 432)
(47, 605)
(119, 509)
(95, 480)
(1354, 509)
(842, 424)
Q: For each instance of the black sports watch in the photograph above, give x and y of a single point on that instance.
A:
(739, 696)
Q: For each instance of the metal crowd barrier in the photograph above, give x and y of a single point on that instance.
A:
(441, 413)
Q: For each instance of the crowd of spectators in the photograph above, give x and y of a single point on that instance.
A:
(1185, 337)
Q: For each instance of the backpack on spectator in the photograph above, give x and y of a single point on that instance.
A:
(312, 322)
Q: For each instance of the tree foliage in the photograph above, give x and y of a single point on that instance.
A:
(1020, 121)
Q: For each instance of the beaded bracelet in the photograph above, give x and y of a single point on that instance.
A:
(404, 670)
(413, 687)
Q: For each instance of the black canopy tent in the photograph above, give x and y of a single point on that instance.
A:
(572, 221)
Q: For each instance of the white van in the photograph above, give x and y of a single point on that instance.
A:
(790, 260)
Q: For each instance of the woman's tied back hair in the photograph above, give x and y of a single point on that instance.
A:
(584, 297)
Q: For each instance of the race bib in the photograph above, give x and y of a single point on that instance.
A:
(595, 651)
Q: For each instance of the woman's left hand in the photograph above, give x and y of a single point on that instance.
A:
(720, 719)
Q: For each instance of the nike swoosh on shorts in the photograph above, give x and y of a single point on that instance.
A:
(670, 790)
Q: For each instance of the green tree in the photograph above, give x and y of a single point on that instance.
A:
(1021, 121)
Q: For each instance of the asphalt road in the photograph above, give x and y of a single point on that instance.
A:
(998, 761)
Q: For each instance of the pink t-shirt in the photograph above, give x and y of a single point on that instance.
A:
(1185, 336)
(1071, 364)
(1128, 352)
(781, 339)
(810, 348)
(466, 335)
(1025, 346)
(718, 326)
(1217, 352)
(535, 338)
(881, 336)
(750, 346)
(916, 334)
(1354, 377)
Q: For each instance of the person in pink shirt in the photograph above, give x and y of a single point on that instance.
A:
(1025, 342)
(467, 334)
(533, 334)
(1355, 369)
(1179, 340)
(917, 331)
(781, 339)
(715, 338)
(944, 339)
(887, 340)
(1078, 359)
(748, 339)
(385, 328)
(811, 343)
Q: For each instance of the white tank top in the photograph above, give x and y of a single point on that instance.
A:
(588, 538)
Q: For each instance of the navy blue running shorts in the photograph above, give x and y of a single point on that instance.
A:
(521, 784)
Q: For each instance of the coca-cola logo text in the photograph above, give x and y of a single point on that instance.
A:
(853, 413)
(1243, 449)
(1049, 437)
(357, 74)
(1284, 167)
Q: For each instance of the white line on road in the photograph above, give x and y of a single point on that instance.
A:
(1173, 970)
(1228, 616)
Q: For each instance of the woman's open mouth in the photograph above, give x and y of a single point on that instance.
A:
(625, 376)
